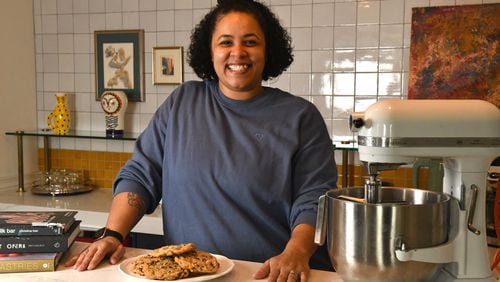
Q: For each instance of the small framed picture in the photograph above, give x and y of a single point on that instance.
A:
(168, 65)
(119, 62)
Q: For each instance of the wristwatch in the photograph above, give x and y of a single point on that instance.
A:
(105, 232)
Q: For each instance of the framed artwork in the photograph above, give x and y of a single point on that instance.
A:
(168, 65)
(454, 53)
(119, 62)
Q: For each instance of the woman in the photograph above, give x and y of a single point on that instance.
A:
(239, 167)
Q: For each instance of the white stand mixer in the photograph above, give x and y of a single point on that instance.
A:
(466, 135)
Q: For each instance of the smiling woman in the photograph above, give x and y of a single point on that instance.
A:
(229, 158)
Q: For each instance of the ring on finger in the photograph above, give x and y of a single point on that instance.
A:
(292, 273)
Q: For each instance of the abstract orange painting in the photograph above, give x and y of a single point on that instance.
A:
(454, 53)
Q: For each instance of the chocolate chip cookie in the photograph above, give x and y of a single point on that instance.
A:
(198, 262)
(158, 268)
(172, 250)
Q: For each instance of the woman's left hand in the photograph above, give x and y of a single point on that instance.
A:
(289, 266)
(292, 264)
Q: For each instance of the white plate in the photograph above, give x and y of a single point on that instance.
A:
(226, 266)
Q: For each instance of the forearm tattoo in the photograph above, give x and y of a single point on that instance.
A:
(136, 201)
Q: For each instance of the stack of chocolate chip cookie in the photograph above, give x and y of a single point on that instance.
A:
(175, 262)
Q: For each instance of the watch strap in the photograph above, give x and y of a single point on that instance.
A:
(106, 232)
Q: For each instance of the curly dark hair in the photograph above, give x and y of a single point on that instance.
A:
(278, 43)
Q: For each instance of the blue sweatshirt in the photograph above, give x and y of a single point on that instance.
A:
(235, 177)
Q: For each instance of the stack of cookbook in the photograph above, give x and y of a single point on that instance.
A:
(33, 241)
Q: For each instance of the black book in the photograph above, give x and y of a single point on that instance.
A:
(34, 223)
(41, 243)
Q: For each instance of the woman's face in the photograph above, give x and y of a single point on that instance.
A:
(238, 54)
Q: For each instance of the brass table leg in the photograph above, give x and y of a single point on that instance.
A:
(20, 162)
(46, 153)
(345, 163)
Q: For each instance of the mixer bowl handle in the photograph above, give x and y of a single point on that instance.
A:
(320, 233)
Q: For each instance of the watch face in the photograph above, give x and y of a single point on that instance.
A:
(111, 103)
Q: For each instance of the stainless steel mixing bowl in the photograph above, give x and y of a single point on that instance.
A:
(362, 238)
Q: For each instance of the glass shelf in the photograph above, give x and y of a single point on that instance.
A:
(131, 136)
(46, 134)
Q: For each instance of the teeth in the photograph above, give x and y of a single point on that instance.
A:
(237, 67)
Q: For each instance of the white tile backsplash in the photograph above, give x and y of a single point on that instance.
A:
(301, 16)
(301, 38)
(113, 6)
(82, 43)
(113, 21)
(344, 60)
(322, 37)
(130, 5)
(81, 23)
(82, 6)
(147, 21)
(183, 4)
(49, 7)
(67, 82)
(65, 43)
(391, 35)
(345, 13)
(98, 22)
(49, 24)
(367, 60)
(183, 20)
(165, 21)
(65, 23)
(322, 61)
(347, 54)
(344, 37)
(391, 11)
(368, 12)
(66, 63)
(366, 84)
(343, 83)
(367, 36)
(147, 5)
(50, 63)
(97, 6)
(390, 60)
(49, 43)
(323, 14)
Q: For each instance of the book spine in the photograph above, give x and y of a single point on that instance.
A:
(36, 265)
(39, 244)
(35, 244)
(27, 230)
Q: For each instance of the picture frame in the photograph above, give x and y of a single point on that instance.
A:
(167, 65)
(119, 63)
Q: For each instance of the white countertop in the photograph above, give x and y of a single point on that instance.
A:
(242, 272)
(92, 208)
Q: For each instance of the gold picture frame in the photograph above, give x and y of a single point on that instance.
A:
(167, 65)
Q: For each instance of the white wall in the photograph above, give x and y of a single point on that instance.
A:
(17, 87)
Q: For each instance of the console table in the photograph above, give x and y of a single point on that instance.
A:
(127, 136)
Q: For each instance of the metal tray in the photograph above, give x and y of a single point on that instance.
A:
(53, 190)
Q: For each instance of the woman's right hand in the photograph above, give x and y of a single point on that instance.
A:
(91, 256)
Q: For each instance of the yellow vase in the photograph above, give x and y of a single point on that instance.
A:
(58, 120)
